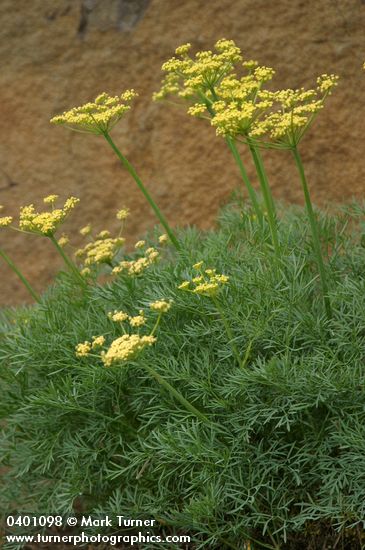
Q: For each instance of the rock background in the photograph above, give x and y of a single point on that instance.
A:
(59, 53)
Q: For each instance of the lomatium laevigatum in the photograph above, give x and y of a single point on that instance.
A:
(99, 117)
(241, 109)
(130, 345)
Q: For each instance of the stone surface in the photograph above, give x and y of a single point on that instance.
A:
(60, 53)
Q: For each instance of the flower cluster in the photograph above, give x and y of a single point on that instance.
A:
(188, 77)
(163, 239)
(138, 266)
(63, 240)
(100, 251)
(209, 84)
(127, 346)
(45, 223)
(97, 117)
(83, 349)
(240, 102)
(103, 248)
(5, 220)
(123, 214)
(295, 112)
(50, 199)
(162, 306)
(134, 321)
(207, 283)
(240, 106)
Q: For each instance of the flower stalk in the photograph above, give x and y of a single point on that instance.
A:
(251, 191)
(233, 148)
(138, 181)
(164, 383)
(19, 274)
(314, 230)
(268, 199)
(98, 118)
(71, 266)
(229, 333)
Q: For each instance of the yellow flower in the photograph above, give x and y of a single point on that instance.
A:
(207, 284)
(98, 341)
(128, 95)
(45, 223)
(250, 65)
(85, 230)
(152, 256)
(162, 306)
(163, 239)
(97, 117)
(103, 234)
(326, 82)
(51, 199)
(82, 350)
(223, 279)
(138, 320)
(240, 105)
(182, 50)
(140, 244)
(133, 267)
(86, 272)
(207, 289)
(197, 109)
(136, 267)
(122, 214)
(118, 316)
(126, 347)
(100, 251)
(184, 285)
(5, 221)
(296, 111)
(191, 78)
(63, 241)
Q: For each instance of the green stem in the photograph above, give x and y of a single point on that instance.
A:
(247, 354)
(67, 260)
(138, 181)
(314, 229)
(156, 324)
(177, 394)
(232, 146)
(253, 196)
(170, 388)
(228, 331)
(27, 285)
(266, 192)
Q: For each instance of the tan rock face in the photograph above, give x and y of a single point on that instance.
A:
(59, 53)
